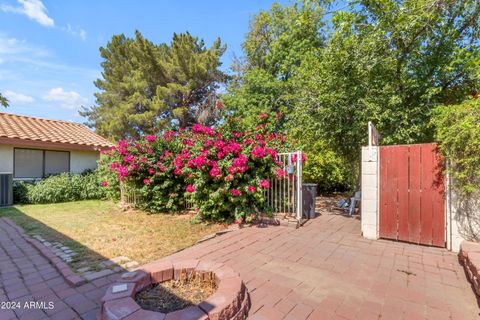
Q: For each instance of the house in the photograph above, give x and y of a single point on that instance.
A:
(33, 148)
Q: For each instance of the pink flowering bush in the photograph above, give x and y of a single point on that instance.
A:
(224, 171)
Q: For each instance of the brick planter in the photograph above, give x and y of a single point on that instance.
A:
(469, 256)
(230, 301)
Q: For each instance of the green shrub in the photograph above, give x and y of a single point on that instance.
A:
(223, 171)
(60, 188)
(327, 169)
(458, 132)
(20, 192)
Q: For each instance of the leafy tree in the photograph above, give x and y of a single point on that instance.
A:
(274, 46)
(458, 131)
(390, 62)
(3, 101)
(146, 87)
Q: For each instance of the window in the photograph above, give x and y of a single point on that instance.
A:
(28, 163)
(34, 163)
(56, 162)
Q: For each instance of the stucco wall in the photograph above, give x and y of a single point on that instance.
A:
(463, 216)
(6, 158)
(369, 203)
(83, 160)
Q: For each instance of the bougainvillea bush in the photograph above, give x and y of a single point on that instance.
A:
(223, 171)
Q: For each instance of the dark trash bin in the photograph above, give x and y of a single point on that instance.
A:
(309, 195)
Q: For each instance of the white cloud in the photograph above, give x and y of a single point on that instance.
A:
(68, 99)
(34, 9)
(15, 97)
(75, 31)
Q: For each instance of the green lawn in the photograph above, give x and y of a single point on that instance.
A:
(97, 230)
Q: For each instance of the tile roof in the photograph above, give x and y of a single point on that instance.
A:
(38, 130)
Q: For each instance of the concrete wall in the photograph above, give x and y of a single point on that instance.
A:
(463, 216)
(83, 160)
(369, 203)
(79, 160)
(6, 158)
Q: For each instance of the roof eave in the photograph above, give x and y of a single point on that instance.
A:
(51, 145)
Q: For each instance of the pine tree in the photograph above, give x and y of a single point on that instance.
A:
(147, 87)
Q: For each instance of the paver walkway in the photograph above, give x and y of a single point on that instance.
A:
(324, 270)
(26, 276)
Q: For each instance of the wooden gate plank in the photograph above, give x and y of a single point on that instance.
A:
(388, 223)
(438, 191)
(426, 207)
(382, 202)
(414, 195)
(402, 164)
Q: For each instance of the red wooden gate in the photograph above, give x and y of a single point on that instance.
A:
(412, 193)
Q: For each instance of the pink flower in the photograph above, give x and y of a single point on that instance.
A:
(259, 152)
(122, 171)
(235, 192)
(240, 161)
(219, 144)
(263, 115)
(190, 188)
(304, 157)
(160, 166)
(272, 152)
(151, 138)
(264, 183)
(251, 189)
(104, 183)
(280, 173)
(188, 142)
(168, 135)
(229, 177)
(215, 172)
(146, 181)
(232, 147)
(197, 162)
(248, 142)
(128, 158)
(208, 143)
(151, 170)
(143, 159)
(197, 128)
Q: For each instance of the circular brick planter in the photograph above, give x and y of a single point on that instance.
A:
(230, 300)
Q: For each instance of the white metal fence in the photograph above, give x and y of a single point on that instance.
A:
(285, 193)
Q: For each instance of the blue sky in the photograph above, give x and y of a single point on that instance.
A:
(49, 54)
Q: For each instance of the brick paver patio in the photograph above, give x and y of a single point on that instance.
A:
(27, 276)
(324, 270)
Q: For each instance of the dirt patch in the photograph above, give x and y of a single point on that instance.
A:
(178, 294)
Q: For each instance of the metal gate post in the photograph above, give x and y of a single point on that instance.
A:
(299, 186)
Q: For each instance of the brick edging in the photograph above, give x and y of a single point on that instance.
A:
(230, 301)
(63, 268)
(469, 257)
